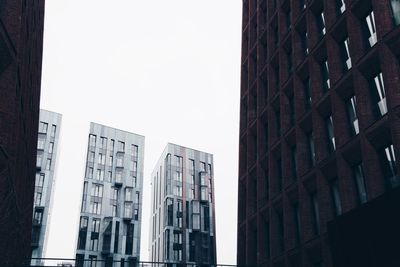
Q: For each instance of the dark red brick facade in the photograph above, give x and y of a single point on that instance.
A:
(21, 40)
(287, 196)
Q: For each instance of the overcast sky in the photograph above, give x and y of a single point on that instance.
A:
(165, 69)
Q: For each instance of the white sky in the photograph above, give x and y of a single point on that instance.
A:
(165, 69)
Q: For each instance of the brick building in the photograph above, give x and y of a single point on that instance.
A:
(21, 39)
(319, 122)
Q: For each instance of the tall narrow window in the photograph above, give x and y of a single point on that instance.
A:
(43, 127)
(39, 158)
(48, 164)
(41, 142)
(388, 161)
(370, 28)
(359, 181)
(340, 5)
(377, 89)
(320, 18)
(307, 93)
(351, 106)
(326, 83)
(345, 53)
(396, 11)
(92, 140)
(304, 43)
(311, 149)
(103, 141)
(315, 212)
(91, 156)
(121, 146)
(334, 188)
(53, 130)
(51, 147)
(330, 134)
(134, 151)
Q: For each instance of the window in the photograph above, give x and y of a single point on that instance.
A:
(53, 130)
(209, 169)
(95, 208)
(48, 164)
(134, 151)
(128, 209)
(202, 166)
(83, 228)
(43, 127)
(388, 161)
(103, 142)
(100, 175)
(315, 212)
(359, 180)
(39, 158)
(179, 213)
(121, 146)
(38, 198)
(326, 84)
(128, 194)
(136, 214)
(137, 197)
(102, 159)
(134, 167)
(112, 142)
(93, 259)
(109, 177)
(110, 161)
(129, 239)
(114, 193)
(340, 5)
(41, 143)
(120, 160)
(345, 53)
(39, 181)
(304, 43)
(118, 176)
(369, 28)
(91, 156)
(337, 205)
(377, 90)
(351, 105)
(307, 93)
(97, 190)
(330, 134)
(94, 239)
(311, 150)
(320, 19)
(37, 217)
(51, 147)
(170, 211)
(92, 140)
(396, 11)
(90, 173)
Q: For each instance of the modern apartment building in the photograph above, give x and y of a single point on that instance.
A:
(21, 41)
(110, 218)
(319, 125)
(183, 208)
(47, 147)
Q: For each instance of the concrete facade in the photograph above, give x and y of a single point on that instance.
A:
(46, 163)
(183, 208)
(110, 221)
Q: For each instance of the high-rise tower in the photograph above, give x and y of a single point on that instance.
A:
(183, 208)
(47, 147)
(21, 42)
(319, 124)
(110, 221)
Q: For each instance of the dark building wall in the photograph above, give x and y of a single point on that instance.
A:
(21, 38)
(287, 196)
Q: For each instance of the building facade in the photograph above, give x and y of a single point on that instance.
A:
(47, 147)
(319, 122)
(21, 41)
(183, 208)
(110, 218)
